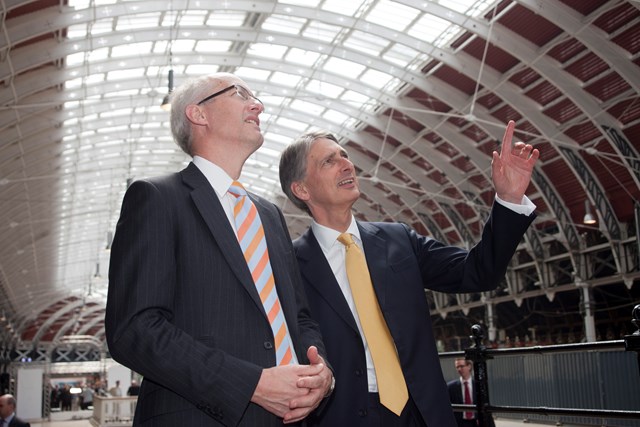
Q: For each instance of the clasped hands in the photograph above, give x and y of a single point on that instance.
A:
(293, 391)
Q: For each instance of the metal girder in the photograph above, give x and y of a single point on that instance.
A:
(628, 152)
(54, 317)
(612, 228)
(574, 25)
(567, 228)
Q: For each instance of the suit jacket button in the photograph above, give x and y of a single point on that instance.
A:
(268, 345)
(362, 412)
(358, 373)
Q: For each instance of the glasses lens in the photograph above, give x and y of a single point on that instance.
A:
(245, 94)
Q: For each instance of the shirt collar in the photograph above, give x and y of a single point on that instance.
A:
(217, 177)
(327, 237)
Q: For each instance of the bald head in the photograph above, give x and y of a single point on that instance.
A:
(7, 405)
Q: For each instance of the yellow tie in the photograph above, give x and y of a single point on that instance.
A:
(391, 385)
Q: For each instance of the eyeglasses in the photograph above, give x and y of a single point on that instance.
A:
(240, 91)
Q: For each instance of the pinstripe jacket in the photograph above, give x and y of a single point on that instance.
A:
(182, 308)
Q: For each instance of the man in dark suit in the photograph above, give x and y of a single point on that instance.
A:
(462, 391)
(183, 309)
(317, 175)
(8, 413)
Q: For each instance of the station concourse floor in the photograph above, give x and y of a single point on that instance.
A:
(501, 422)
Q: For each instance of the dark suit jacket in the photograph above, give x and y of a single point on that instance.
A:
(182, 308)
(455, 396)
(17, 422)
(402, 264)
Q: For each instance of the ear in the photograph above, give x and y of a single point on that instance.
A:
(300, 190)
(196, 115)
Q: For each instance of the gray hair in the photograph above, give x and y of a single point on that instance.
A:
(188, 93)
(293, 163)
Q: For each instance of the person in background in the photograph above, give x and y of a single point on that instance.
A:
(134, 388)
(8, 416)
(365, 282)
(461, 391)
(86, 397)
(219, 340)
(116, 391)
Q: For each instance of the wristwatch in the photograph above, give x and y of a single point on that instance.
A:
(333, 386)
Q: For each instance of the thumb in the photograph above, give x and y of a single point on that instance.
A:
(313, 355)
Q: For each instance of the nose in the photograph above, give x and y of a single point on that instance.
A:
(346, 164)
(256, 104)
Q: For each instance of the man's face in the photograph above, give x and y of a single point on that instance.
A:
(330, 182)
(234, 114)
(5, 408)
(464, 369)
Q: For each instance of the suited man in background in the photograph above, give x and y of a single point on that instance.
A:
(462, 391)
(8, 416)
(317, 175)
(183, 309)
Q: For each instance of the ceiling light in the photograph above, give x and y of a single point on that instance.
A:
(166, 101)
(589, 219)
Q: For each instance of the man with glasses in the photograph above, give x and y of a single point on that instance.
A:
(462, 391)
(204, 292)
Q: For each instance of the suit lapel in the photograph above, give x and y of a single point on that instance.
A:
(317, 272)
(375, 250)
(207, 203)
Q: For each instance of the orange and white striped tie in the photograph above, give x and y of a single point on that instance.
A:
(254, 246)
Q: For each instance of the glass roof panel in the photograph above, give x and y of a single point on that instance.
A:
(392, 15)
(284, 24)
(286, 79)
(300, 97)
(130, 49)
(320, 31)
(324, 88)
(306, 3)
(378, 79)
(302, 57)
(431, 29)
(335, 117)
(366, 42)
(349, 8)
(309, 108)
(267, 50)
(207, 46)
(226, 18)
(135, 22)
(343, 67)
(401, 55)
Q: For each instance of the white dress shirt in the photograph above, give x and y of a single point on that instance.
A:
(335, 252)
(221, 181)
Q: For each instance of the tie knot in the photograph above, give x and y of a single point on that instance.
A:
(346, 239)
(237, 189)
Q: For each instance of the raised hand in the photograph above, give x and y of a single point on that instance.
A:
(511, 169)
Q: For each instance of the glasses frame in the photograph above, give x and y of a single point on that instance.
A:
(240, 91)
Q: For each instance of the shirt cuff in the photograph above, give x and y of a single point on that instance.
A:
(526, 207)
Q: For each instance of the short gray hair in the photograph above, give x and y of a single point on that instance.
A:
(293, 163)
(190, 92)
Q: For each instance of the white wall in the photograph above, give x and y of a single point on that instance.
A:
(29, 393)
(120, 373)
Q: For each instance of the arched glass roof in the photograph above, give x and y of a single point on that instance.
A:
(418, 92)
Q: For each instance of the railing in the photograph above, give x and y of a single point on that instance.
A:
(113, 411)
(479, 355)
